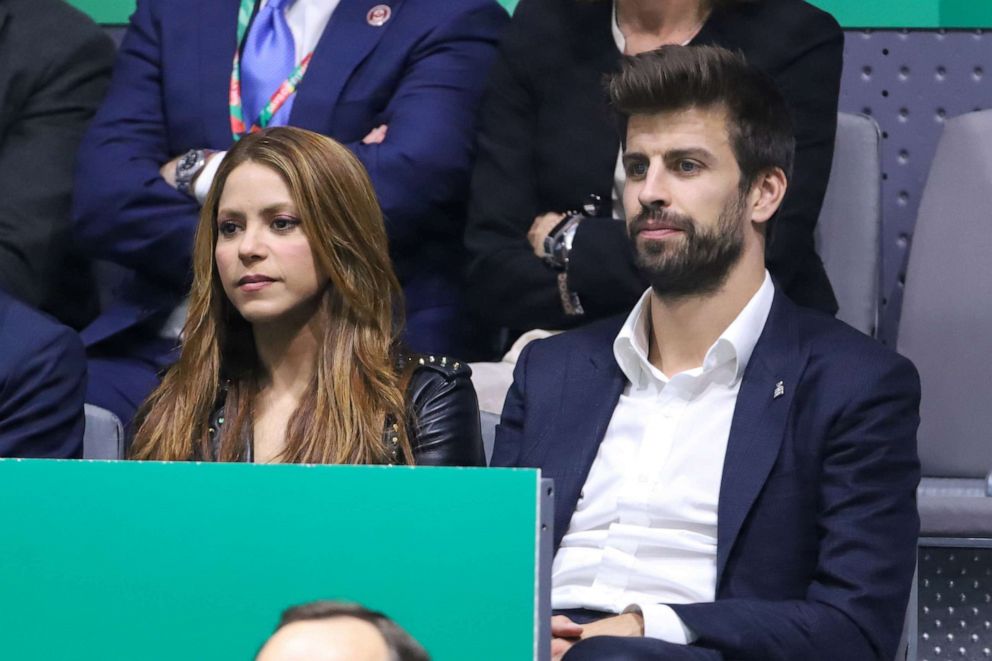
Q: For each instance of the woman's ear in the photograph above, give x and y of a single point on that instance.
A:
(766, 194)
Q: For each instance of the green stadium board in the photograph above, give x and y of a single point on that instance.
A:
(125, 560)
(924, 14)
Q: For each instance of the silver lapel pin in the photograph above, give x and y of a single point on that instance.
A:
(779, 390)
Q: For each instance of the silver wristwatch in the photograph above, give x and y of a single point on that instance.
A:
(187, 167)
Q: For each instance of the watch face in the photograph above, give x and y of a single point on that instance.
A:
(188, 160)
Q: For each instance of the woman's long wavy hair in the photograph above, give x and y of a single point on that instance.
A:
(357, 386)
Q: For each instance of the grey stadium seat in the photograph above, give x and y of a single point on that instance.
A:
(946, 329)
(103, 437)
(850, 223)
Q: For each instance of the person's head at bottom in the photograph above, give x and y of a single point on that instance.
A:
(294, 317)
(335, 631)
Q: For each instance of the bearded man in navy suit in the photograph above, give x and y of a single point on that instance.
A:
(734, 476)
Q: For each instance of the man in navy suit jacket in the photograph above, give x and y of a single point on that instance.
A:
(397, 81)
(42, 381)
(734, 476)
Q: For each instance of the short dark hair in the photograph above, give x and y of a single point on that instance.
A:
(401, 645)
(674, 78)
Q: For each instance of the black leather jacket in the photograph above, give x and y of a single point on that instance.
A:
(444, 429)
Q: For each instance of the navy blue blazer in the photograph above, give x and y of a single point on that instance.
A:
(817, 520)
(422, 73)
(42, 383)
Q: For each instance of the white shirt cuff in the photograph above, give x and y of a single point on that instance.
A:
(206, 177)
(661, 622)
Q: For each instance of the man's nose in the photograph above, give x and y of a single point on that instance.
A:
(654, 191)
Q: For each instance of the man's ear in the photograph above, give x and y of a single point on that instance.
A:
(765, 196)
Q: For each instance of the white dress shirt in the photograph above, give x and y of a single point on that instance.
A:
(644, 532)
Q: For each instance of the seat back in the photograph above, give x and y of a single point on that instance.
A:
(488, 421)
(103, 436)
(946, 325)
(849, 228)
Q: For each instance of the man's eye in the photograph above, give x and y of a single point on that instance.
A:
(688, 167)
(637, 169)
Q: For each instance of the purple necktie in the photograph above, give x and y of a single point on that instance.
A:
(268, 58)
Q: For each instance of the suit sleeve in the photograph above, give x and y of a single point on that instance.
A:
(810, 83)
(508, 446)
(422, 166)
(124, 211)
(447, 421)
(519, 291)
(601, 268)
(868, 523)
(41, 403)
(38, 147)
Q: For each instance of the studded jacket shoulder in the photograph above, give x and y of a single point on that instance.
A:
(443, 424)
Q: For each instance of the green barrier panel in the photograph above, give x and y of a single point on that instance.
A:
(108, 12)
(153, 561)
(850, 13)
(897, 13)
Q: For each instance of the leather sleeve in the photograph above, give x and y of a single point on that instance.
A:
(445, 422)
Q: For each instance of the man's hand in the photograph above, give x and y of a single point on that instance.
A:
(564, 634)
(540, 229)
(168, 171)
(627, 624)
(376, 135)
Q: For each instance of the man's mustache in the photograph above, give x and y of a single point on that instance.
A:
(654, 218)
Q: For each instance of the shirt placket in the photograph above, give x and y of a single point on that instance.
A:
(644, 475)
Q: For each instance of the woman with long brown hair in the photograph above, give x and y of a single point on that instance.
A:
(290, 348)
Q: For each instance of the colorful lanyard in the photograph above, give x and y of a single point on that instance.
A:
(287, 89)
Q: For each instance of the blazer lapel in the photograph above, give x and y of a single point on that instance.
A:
(346, 41)
(758, 425)
(218, 37)
(592, 386)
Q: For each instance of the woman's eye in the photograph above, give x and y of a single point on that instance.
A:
(281, 224)
(227, 227)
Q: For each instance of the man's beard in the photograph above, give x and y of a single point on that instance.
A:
(699, 262)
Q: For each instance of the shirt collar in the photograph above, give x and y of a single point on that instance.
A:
(733, 348)
(618, 37)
